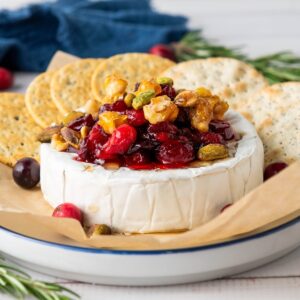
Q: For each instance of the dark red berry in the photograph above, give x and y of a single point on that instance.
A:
(135, 117)
(6, 79)
(120, 141)
(119, 106)
(223, 128)
(26, 173)
(168, 91)
(273, 169)
(68, 210)
(86, 120)
(163, 127)
(211, 138)
(175, 152)
(163, 51)
(137, 158)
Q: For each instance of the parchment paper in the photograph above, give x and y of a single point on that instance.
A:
(273, 203)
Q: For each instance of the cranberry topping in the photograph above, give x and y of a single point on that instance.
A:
(223, 128)
(82, 121)
(211, 138)
(163, 127)
(138, 158)
(175, 152)
(273, 169)
(135, 117)
(119, 106)
(120, 141)
(168, 91)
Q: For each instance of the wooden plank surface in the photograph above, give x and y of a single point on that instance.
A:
(262, 26)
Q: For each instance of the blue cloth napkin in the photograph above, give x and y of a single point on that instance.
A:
(30, 36)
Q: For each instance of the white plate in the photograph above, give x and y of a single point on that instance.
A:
(164, 267)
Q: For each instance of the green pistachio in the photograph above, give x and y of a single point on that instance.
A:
(164, 81)
(213, 152)
(100, 229)
(143, 99)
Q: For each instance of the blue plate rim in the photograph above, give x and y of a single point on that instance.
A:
(154, 252)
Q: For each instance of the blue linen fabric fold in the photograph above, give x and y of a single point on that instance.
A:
(30, 36)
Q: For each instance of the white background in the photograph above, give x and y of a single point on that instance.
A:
(261, 26)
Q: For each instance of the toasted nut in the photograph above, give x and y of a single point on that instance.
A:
(46, 135)
(84, 131)
(111, 165)
(213, 152)
(99, 229)
(201, 115)
(71, 136)
(71, 116)
(220, 109)
(114, 88)
(110, 120)
(128, 99)
(203, 92)
(147, 85)
(91, 107)
(187, 99)
(142, 99)
(164, 81)
(160, 109)
(58, 143)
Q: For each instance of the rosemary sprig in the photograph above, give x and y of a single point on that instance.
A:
(20, 285)
(277, 67)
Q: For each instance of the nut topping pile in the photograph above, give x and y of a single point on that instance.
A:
(152, 127)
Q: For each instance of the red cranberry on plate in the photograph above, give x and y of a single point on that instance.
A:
(137, 158)
(6, 79)
(163, 51)
(273, 169)
(223, 128)
(119, 106)
(86, 120)
(211, 138)
(68, 210)
(136, 117)
(26, 173)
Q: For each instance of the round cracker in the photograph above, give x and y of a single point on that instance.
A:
(18, 130)
(71, 84)
(39, 102)
(231, 79)
(275, 112)
(133, 67)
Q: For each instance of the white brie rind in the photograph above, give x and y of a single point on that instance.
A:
(154, 200)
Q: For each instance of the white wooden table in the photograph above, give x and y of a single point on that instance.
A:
(262, 26)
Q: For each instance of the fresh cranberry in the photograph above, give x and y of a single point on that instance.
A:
(225, 207)
(26, 172)
(137, 158)
(163, 51)
(211, 138)
(273, 169)
(68, 210)
(135, 117)
(119, 106)
(223, 128)
(175, 152)
(120, 141)
(168, 91)
(6, 79)
(86, 120)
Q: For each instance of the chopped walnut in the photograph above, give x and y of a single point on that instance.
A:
(160, 109)
(58, 143)
(114, 88)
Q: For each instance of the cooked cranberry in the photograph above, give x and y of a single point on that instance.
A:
(148, 166)
(97, 136)
(168, 91)
(82, 121)
(137, 158)
(182, 119)
(211, 138)
(163, 127)
(175, 152)
(193, 136)
(119, 106)
(273, 169)
(120, 141)
(163, 137)
(68, 210)
(143, 144)
(135, 117)
(223, 128)
(163, 51)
